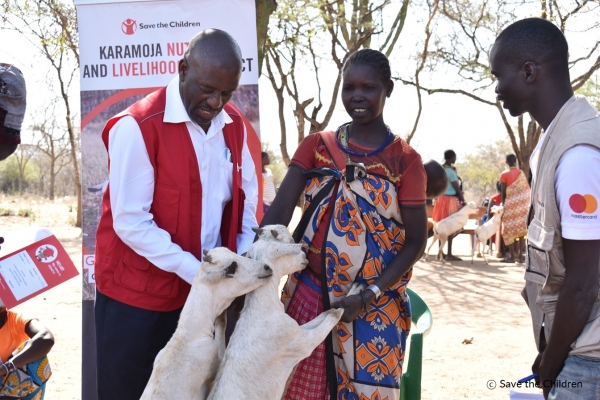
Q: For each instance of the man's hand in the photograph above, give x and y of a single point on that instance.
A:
(548, 373)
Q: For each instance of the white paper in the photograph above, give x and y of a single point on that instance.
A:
(525, 396)
(22, 275)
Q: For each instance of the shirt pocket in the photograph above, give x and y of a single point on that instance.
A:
(225, 179)
(165, 207)
(539, 243)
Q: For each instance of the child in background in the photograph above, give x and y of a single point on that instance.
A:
(24, 344)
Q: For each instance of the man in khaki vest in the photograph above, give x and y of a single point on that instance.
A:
(530, 61)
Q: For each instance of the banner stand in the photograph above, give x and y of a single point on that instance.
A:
(127, 50)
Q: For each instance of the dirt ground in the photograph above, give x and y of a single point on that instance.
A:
(477, 302)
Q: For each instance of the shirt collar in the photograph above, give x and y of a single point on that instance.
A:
(175, 111)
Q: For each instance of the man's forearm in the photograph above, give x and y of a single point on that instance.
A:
(574, 303)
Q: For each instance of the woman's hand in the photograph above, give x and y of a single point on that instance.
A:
(353, 305)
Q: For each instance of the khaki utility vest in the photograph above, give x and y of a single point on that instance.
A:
(577, 123)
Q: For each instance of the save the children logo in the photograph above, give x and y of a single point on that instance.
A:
(583, 204)
(46, 253)
(129, 26)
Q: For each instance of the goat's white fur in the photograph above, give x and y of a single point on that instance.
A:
(487, 230)
(186, 367)
(267, 343)
(445, 228)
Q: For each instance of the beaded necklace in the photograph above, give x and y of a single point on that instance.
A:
(341, 137)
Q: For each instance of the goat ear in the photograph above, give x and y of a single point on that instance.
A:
(258, 231)
(207, 257)
(274, 233)
(231, 269)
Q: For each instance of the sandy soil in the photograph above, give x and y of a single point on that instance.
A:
(59, 308)
(468, 301)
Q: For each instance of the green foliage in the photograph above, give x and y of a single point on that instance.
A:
(277, 166)
(480, 170)
(591, 90)
(6, 212)
(25, 212)
(10, 176)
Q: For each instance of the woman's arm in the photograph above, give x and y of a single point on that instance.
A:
(415, 225)
(39, 346)
(282, 208)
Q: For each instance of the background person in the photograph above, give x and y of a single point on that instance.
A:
(516, 195)
(452, 200)
(24, 344)
(181, 180)
(530, 60)
(269, 190)
(351, 232)
(12, 108)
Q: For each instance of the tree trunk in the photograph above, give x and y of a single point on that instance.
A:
(52, 178)
(264, 9)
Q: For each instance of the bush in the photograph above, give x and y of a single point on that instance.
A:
(25, 212)
(6, 212)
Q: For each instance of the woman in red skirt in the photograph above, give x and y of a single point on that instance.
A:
(452, 200)
(364, 222)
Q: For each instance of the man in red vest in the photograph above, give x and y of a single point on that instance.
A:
(181, 179)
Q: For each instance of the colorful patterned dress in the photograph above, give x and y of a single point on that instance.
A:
(516, 208)
(355, 230)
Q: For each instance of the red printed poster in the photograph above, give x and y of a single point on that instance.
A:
(34, 269)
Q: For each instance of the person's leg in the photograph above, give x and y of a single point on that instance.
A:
(511, 250)
(450, 256)
(578, 380)
(127, 342)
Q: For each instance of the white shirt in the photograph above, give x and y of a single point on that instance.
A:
(577, 188)
(268, 186)
(131, 183)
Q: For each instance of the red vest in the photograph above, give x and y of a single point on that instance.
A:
(120, 272)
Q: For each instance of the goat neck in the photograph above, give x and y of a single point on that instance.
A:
(203, 304)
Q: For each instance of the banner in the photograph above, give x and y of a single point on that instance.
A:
(127, 50)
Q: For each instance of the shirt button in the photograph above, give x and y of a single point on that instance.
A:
(203, 195)
(204, 168)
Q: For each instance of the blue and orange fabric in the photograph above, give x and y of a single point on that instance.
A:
(362, 236)
(27, 381)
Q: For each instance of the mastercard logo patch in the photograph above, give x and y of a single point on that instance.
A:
(583, 204)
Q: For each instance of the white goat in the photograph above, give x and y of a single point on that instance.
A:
(487, 230)
(186, 367)
(267, 343)
(447, 227)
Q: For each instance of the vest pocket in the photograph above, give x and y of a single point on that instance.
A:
(137, 273)
(539, 243)
(165, 207)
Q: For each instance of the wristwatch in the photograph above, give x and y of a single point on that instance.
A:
(375, 290)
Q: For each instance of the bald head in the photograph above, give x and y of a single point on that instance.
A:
(209, 73)
(437, 180)
(535, 40)
(215, 46)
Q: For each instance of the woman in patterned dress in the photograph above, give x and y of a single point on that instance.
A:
(364, 221)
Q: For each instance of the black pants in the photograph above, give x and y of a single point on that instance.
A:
(127, 342)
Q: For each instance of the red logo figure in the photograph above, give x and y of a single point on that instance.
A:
(129, 26)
